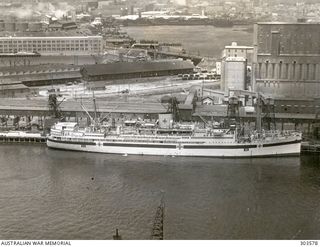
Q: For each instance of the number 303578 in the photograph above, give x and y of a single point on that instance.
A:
(309, 243)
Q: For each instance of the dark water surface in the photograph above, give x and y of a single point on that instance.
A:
(51, 194)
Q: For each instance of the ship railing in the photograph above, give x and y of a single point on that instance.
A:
(144, 140)
(64, 138)
(152, 140)
(157, 137)
(269, 140)
(269, 137)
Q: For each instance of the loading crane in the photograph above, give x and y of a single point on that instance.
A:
(54, 106)
(264, 105)
(268, 109)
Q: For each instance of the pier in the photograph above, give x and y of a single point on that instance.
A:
(36, 107)
(23, 139)
(194, 58)
(310, 148)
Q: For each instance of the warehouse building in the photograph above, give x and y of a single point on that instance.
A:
(287, 59)
(63, 45)
(233, 73)
(127, 70)
(38, 75)
(15, 90)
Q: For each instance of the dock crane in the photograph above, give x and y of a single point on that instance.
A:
(170, 103)
(54, 106)
(268, 109)
(233, 112)
(264, 105)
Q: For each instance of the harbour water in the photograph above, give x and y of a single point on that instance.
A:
(208, 41)
(52, 194)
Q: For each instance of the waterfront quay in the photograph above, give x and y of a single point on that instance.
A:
(133, 108)
(310, 148)
(72, 108)
(16, 138)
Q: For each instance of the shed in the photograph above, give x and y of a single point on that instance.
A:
(125, 70)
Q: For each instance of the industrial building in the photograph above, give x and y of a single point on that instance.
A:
(15, 90)
(233, 74)
(26, 59)
(127, 70)
(63, 45)
(233, 67)
(37, 75)
(21, 26)
(235, 50)
(287, 59)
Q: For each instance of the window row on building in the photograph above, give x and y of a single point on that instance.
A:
(289, 89)
(86, 44)
(288, 71)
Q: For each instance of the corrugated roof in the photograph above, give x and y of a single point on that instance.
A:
(52, 76)
(136, 67)
(55, 25)
(74, 106)
(43, 68)
(13, 87)
(44, 36)
(185, 107)
(190, 98)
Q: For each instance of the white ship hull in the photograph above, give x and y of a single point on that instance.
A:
(281, 148)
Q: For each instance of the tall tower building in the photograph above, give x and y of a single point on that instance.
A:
(287, 59)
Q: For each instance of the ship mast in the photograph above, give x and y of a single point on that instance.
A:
(258, 112)
(95, 109)
(85, 110)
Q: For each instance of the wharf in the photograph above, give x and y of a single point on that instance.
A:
(39, 107)
(23, 139)
(310, 148)
(194, 58)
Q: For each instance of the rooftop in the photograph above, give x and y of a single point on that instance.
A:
(45, 68)
(185, 106)
(238, 47)
(74, 106)
(48, 37)
(13, 87)
(235, 59)
(136, 67)
(288, 23)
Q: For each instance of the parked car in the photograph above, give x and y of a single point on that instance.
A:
(185, 77)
